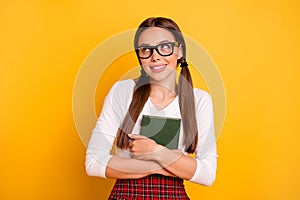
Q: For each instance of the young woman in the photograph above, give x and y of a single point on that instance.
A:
(143, 168)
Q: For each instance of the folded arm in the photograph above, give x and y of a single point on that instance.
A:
(100, 163)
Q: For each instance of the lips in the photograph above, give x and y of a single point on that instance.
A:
(158, 68)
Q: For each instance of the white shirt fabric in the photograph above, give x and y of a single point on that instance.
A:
(115, 107)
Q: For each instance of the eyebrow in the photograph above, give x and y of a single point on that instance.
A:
(163, 41)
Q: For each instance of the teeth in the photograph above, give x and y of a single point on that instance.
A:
(158, 67)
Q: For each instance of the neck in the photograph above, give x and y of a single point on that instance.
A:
(166, 88)
(162, 91)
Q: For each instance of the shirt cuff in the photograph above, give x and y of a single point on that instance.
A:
(104, 163)
(196, 174)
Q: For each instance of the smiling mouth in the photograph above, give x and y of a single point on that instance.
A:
(158, 68)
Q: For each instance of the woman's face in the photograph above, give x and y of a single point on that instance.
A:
(159, 67)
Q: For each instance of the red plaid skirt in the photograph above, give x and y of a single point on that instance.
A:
(153, 187)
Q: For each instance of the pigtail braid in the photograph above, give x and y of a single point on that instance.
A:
(139, 98)
(187, 107)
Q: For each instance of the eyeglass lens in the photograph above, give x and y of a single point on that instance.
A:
(164, 49)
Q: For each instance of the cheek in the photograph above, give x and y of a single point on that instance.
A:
(173, 61)
(145, 62)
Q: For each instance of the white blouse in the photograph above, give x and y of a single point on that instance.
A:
(113, 112)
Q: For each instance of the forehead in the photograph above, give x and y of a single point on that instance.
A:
(155, 35)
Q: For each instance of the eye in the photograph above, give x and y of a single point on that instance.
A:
(145, 49)
(166, 46)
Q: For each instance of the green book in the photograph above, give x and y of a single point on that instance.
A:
(163, 130)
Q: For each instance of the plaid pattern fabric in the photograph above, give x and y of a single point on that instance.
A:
(153, 187)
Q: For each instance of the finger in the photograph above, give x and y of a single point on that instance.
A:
(130, 144)
(136, 137)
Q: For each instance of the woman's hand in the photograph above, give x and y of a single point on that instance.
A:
(143, 148)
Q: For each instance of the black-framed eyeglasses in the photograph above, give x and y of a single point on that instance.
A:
(163, 49)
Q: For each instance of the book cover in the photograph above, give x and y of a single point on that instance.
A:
(163, 130)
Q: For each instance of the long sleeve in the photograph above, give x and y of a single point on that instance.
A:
(103, 135)
(206, 154)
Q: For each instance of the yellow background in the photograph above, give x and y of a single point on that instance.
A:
(255, 45)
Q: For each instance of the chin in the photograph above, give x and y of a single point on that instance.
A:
(159, 77)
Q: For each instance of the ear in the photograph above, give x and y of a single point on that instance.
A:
(179, 53)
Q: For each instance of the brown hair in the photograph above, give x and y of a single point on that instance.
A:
(143, 89)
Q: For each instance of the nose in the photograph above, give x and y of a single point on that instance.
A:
(155, 56)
